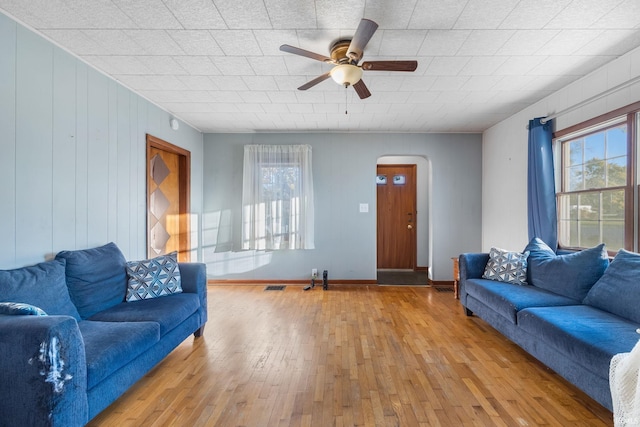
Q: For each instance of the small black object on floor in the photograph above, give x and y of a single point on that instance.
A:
(275, 288)
(443, 288)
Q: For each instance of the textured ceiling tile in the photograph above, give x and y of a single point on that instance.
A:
(519, 65)
(625, 15)
(342, 14)
(436, 14)
(484, 14)
(581, 14)
(271, 40)
(568, 41)
(76, 41)
(281, 97)
(155, 42)
(101, 14)
(140, 10)
(275, 108)
(198, 82)
(614, 42)
(255, 97)
(292, 13)
(115, 42)
(390, 15)
(533, 14)
(196, 42)
(402, 43)
(196, 14)
(162, 65)
(138, 82)
(43, 14)
(268, 65)
(233, 65)
(443, 43)
(482, 83)
(448, 83)
(526, 42)
(118, 64)
(246, 107)
(237, 42)
(446, 65)
(225, 96)
(485, 42)
(243, 14)
(230, 83)
(417, 83)
(260, 83)
(482, 65)
(197, 65)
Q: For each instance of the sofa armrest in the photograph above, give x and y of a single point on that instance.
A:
(44, 371)
(472, 266)
(193, 276)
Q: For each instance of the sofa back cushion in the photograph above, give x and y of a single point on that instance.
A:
(96, 278)
(41, 285)
(618, 290)
(571, 275)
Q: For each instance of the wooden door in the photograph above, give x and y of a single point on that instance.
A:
(168, 195)
(396, 216)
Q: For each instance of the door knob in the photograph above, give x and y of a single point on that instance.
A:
(409, 226)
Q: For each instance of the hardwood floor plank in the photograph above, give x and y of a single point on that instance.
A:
(352, 356)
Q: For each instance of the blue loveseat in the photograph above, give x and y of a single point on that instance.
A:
(575, 312)
(63, 368)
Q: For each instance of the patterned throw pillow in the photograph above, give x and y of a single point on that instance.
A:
(505, 266)
(19, 308)
(153, 278)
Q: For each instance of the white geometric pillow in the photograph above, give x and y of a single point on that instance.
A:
(505, 266)
(152, 278)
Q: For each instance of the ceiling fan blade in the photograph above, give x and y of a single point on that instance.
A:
(390, 65)
(360, 39)
(361, 89)
(315, 81)
(297, 51)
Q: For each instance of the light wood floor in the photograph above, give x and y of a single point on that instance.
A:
(352, 355)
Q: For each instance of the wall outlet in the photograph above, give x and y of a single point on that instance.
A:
(314, 272)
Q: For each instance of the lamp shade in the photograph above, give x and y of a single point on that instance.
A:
(346, 74)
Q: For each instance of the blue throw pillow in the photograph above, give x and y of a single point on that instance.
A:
(18, 308)
(618, 290)
(571, 275)
(41, 285)
(96, 278)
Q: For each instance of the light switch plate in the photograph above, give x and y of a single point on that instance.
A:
(364, 207)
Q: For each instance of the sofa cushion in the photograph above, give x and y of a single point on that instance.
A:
(153, 278)
(571, 275)
(96, 278)
(41, 285)
(506, 299)
(20, 309)
(109, 346)
(584, 334)
(506, 266)
(168, 311)
(618, 290)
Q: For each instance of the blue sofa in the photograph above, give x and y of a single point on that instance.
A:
(65, 367)
(575, 312)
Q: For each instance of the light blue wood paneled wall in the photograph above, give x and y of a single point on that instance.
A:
(72, 154)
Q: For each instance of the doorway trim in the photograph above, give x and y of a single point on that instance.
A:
(184, 184)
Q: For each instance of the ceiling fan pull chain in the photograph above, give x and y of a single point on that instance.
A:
(346, 99)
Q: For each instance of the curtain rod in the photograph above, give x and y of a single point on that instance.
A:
(590, 100)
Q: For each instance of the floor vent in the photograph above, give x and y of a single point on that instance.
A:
(274, 288)
(444, 288)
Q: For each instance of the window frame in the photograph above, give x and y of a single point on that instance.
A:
(629, 115)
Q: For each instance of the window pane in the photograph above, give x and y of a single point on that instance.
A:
(617, 141)
(617, 172)
(575, 152)
(590, 218)
(594, 174)
(575, 178)
(594, 146)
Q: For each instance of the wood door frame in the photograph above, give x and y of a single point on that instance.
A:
(414, 243)
(184, 179)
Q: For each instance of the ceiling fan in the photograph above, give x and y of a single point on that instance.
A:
(345, 55)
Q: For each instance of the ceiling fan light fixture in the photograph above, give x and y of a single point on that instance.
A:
(346, 74)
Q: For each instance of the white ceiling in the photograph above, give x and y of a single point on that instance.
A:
(216, 64)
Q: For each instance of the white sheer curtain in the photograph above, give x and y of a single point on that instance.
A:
(277, 197)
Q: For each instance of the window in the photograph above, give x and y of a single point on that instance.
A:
(596, 196)
(277, 197)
